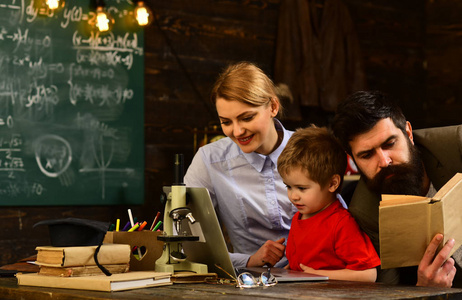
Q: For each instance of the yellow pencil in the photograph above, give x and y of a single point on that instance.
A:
(117, 224)
(134, 227)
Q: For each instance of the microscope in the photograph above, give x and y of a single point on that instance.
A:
(173, 257)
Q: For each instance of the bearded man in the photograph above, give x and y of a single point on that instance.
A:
(394, 159)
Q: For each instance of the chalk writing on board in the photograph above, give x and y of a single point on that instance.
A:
(53, 154)
(103, 162)
(71, 105)
(102, 147)
(10, 149)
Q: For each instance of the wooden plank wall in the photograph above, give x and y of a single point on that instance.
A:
(185, 50)
(444, 61)
(392, 37)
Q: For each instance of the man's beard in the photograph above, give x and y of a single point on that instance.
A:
(402, 179)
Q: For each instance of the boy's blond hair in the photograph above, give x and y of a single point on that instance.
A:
(316, 152)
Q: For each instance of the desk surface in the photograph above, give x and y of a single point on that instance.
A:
(321, 290)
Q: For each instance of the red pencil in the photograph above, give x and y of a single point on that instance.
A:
(155, 220)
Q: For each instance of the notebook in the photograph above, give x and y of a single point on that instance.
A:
(211, 248)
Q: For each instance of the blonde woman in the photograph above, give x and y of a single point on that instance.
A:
(240, 171)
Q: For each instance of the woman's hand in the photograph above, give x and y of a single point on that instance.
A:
(269, 254)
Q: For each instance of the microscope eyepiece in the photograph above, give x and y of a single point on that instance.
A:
(179, 170)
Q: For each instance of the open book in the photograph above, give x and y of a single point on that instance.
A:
(407, 224)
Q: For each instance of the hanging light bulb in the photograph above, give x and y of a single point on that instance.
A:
(104, 20)
(143, 14)
(54, 4)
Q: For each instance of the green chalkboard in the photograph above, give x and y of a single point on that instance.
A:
(71, 106)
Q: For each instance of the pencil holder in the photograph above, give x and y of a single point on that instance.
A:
(146, 249)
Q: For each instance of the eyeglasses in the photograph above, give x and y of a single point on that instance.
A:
(247, 280)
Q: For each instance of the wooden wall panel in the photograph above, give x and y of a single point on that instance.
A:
(444, 61)
(392, 38)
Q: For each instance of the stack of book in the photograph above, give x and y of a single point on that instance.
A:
(79, 261)
(75, 268)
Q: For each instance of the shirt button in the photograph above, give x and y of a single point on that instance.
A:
(273, 202)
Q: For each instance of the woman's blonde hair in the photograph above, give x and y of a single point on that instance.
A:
(246, 83)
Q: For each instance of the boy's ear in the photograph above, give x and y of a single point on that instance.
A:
(334, 183)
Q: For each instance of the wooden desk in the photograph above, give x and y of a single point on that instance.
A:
(306, 290)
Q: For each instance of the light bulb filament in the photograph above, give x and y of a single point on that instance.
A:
(52, 4)
(103, 20)
(142, 16)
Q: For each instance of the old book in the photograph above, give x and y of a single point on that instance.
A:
(82, 256)
(82, 270)
(407, 224)
(116, 282)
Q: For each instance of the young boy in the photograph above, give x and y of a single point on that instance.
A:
(324, 238)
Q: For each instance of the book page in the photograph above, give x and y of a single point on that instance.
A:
(452, 183)
(402, 199)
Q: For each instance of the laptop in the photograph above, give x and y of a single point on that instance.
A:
(211, 248)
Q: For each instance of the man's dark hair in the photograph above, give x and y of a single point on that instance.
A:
(361, 111)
